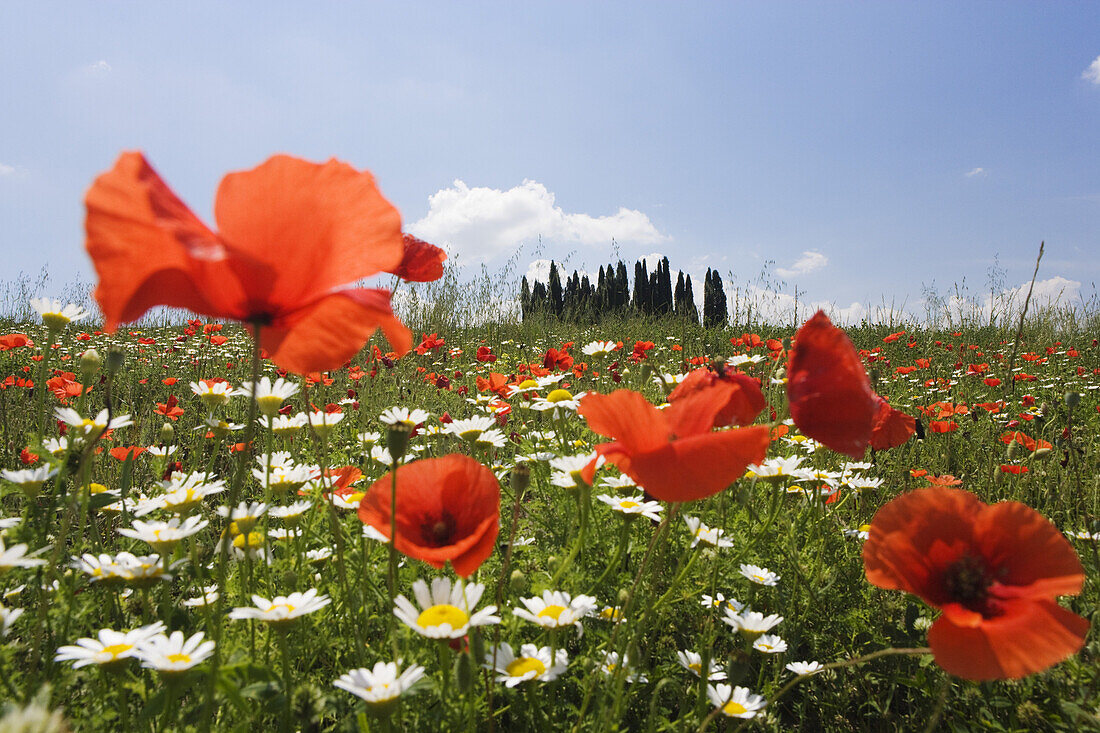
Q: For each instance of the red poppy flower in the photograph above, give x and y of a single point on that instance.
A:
(672, 453)
(994, 571)
(291, 235)
(420, 262)
(743, 403)
(14, 341)
(891, 427)
(447, 509)
(829, 391)
(943, 426)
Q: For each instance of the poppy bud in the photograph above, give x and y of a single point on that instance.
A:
(397, 439)
(624, 596)
(90, 362)
(520, 478)
(290, 579)
(1013, 449)
(1040, 454)
(1073, 399)
(477, 643)
(115, 360)
(464, 673)
(518, 581)
(167, 434)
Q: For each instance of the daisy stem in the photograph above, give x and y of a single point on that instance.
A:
(391, 570)
(288, 692)
(40, 382)
(584, 501)
(613, 565)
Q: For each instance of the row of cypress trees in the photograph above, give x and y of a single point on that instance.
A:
(581, 301)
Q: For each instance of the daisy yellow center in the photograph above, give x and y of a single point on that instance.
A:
(523, 665)
(269, 403)
(443, 613)
(552, 611)
(252, 539)
(274, 609)
(559, 395)
(864, 528)
(185, 658)
(628, 504)
(115, 649)
(97, 488)
(696, 667)
(528, 384)
(760, 578)
(54, 321)
(355, 497)
(734, 708)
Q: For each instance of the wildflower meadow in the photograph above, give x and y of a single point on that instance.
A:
(294, 502)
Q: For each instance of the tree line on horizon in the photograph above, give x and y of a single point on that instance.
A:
(580, 300)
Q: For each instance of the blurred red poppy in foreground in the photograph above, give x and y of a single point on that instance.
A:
(421, 262)
(994, 571)
(447, 509)
(291, 236)
(828, 389)
(672, 453)
(743, 403)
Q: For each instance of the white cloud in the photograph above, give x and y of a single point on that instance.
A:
(539, 271)
(480, 223)
(6, 170)
(1092, 73)
(99, 67)
(807, 263)
(974, 172)
(651, 261)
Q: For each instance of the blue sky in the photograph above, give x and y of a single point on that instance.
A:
(864, 149)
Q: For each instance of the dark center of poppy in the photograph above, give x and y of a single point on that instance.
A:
(438, 531)
(967, 581)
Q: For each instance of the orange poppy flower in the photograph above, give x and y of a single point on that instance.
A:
(828, 389)
(291, 235)
(994, 571)
(743, 403)
(672, 453)
(943, 426)
(448, 508)
(891, 427)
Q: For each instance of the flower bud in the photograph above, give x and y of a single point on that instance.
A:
(464, 672)
(90, 362)
(518, 581)
(520, 478)
(1073, 399)
(397, 439)
(167, 434)
(115, 359)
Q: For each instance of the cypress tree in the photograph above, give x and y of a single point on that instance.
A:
(622, 287)
(524, 298)
(556, 297)
(692, 311)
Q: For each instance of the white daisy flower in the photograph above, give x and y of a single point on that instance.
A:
(16, 557)
(735, 702)
(281, 610)
(174, 654)
(599, 348)
(404, 415)
(751, 623)
(55, 315)
(291, 514)
(213, 394)
(719, 601)
(447, 609)
(609, 665)
(269, 397)
(323, 422)
(163, 536)
(770, 644)
(284, 426)
(208, 598)
(109, 647)
(804, 668)
(775, 469)
(619, 483)
(567, 469)
(470, 429)
(8, 616)
(245, 515)
(381, 685)
(633, 506)
(759, 575)
(863, 532)
(532, 664)
(707, 535)
(693, 662)
(91, 427)
(556, 609)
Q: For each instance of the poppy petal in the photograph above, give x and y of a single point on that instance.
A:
(326, 334)
(1029, 636)
(149, 249)
(828, 389)
(891, 427)
(319, 226)
(697, 466)
(626, 416)
(1034, 559)
(421, 262)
